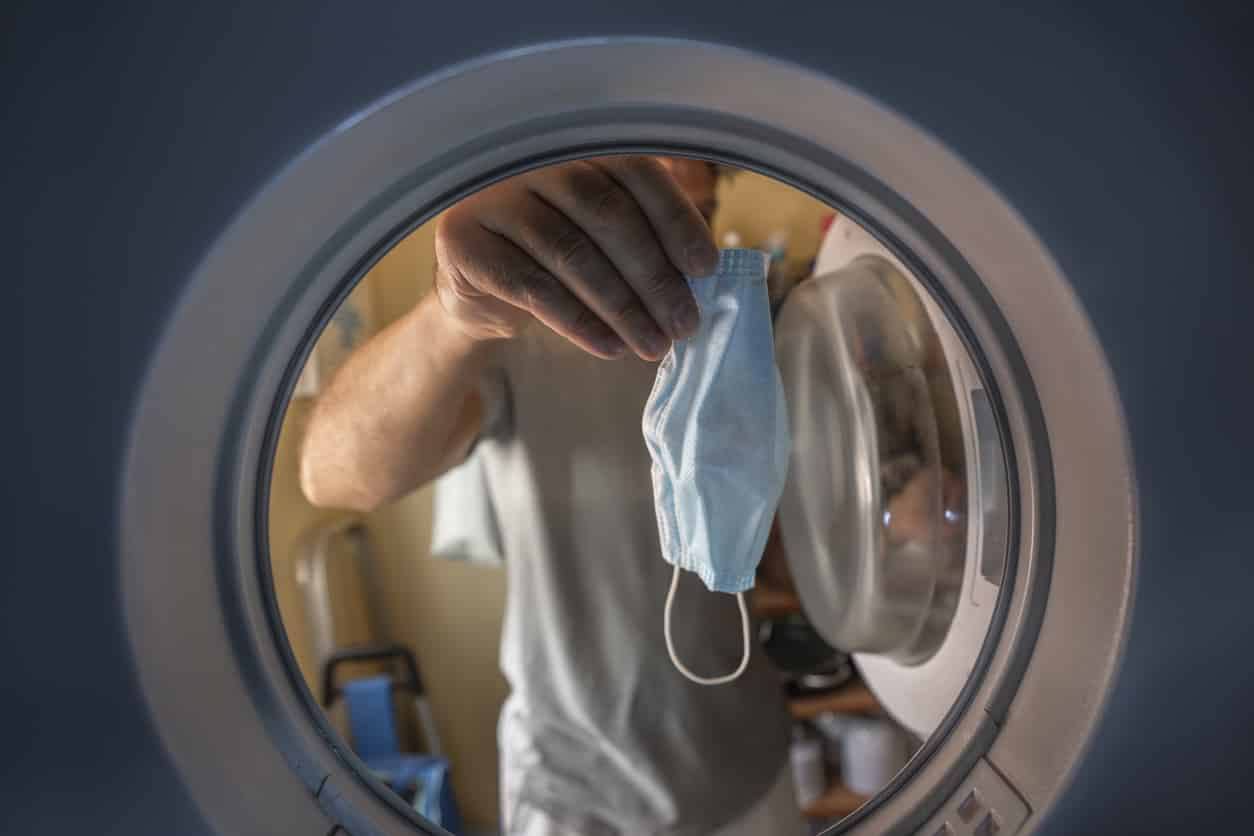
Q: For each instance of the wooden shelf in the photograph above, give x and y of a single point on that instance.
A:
(837, 802)
(854, 698)
(767, 602)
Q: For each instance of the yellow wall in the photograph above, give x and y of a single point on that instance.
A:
(756, 206)
(450, 613)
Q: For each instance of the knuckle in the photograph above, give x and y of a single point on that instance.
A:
(660, 282)
(626, 309)
(597, 194)
(533, 287)
(571, 249)
(452, 237)
(450, 279)
(607, 203)
(455, 291)
(496, 281)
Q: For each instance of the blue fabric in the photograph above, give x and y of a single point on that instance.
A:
(717, 430)
(425, 778)
(371, 717)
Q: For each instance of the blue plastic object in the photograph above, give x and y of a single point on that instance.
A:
(424, 778)
(370, 717)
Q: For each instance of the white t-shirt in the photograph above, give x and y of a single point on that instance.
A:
(601, 734)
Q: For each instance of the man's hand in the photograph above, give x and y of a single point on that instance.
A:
(596, 250)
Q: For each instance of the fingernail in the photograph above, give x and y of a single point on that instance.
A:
(702, 258)
(685, 320)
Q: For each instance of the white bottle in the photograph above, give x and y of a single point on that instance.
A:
(872, 752)
(809, 773)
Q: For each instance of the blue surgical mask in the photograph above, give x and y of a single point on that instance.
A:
(717, 430)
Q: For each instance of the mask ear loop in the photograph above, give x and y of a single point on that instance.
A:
(670, 645)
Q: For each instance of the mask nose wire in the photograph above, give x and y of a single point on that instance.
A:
(670, 645)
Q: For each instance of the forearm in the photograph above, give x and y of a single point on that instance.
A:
(400, 411)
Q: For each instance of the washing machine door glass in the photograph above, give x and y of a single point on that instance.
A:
(871, 517)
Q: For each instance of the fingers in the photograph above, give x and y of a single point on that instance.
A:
(617, 219)
(679, 226)
(597, 250)
(565, 250)
(485, 268)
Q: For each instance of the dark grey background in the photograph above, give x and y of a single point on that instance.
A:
(132, 134)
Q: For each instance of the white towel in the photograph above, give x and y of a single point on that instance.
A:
(464, 523)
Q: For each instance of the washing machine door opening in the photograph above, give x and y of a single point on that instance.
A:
(870, 559)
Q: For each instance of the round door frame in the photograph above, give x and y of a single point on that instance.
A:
(211, 656)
